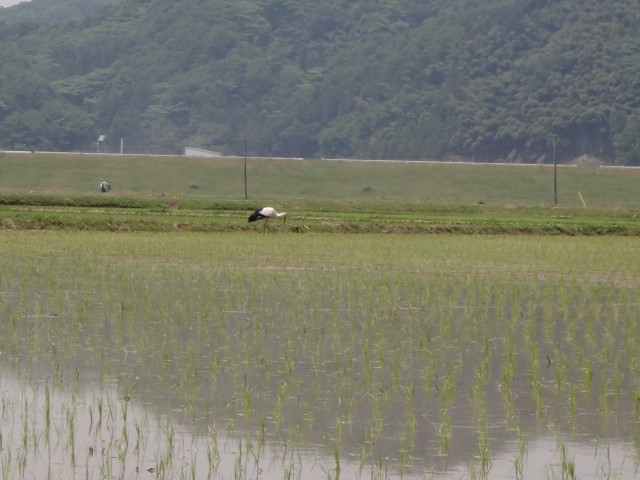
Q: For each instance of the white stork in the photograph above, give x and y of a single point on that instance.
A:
(266, 214)
(104, 186)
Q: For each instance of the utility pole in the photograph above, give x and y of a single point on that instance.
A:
(245, 167)
(554, 137)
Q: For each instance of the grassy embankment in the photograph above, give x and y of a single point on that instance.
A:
(57, 191)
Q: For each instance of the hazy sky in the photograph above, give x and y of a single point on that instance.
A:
(8, 3)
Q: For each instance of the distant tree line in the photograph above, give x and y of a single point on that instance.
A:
(488, 80)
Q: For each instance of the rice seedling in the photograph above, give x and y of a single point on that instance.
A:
(518, 467)
(567, 465)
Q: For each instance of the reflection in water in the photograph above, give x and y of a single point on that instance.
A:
(54, 433)
(548, 457)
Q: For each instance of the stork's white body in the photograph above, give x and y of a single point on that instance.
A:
(266, 214)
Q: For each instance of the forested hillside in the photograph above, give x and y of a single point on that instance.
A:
(488, 80)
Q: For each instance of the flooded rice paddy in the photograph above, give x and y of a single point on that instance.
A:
(318, 356)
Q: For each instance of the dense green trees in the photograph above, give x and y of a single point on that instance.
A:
(490, 80)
